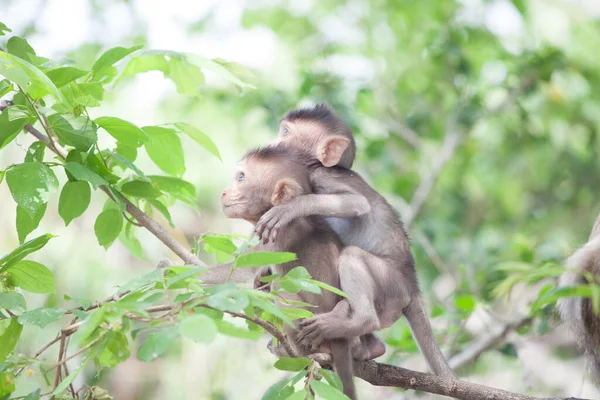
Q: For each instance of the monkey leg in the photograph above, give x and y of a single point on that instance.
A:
(369, 348)
(355, 315)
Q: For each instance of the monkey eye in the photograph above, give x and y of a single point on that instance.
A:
(241, 177)
(285, 132)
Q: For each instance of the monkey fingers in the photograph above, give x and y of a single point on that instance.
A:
(269, 224)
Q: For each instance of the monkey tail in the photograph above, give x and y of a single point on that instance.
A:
(342, 360)
(577, 312)
(423, 335)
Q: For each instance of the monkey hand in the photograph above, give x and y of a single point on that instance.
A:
(272, 221)
(258, 284)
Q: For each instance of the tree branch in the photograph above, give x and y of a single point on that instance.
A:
(488, 342)
(380, 374)
(143, 219)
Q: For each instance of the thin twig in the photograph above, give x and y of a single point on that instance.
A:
(78, 352)
(267, 326)
(405, 133)
(59, 363)
(488, 342)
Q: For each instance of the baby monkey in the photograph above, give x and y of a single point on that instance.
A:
(376, 267)
(271, 176)
(583, 267)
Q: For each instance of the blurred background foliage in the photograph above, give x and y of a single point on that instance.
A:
(492, 105)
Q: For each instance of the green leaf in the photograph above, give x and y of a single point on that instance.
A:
(291, 364)
(296, 313)
(6, 87)
(123, 131)
(35, 395)
(63, 75)
(23, 250)
(36, 83)
(180, 189)
(141, 189)
(224, 69)
(220, 243)
(465, 303)
(200, 137)
(228, 298)
(35, 152)
(279, 391)
(199, 328)
(157, 343)
(186, 76)
(74, 199)
(67, 381)
(234, 72)
(13, 301)
(112, 56)
(7, 384)
(31, 185)
(41, 316)
(329, 288)
(227, 328)
(4, 29)
(79, 132)
(162, 209)
(182, 273)
(327, 392)
(32, 277)
(332, 378)
(113, 349)
(20, 48)
(9, 129)
(108, 226)
(302, 394)
(27, 223)
(165, 149)
(10, 330)
(94, 319)
(127, 163)
(260, 258)
(83, 173)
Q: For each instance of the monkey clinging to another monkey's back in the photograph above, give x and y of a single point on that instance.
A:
(376, 267)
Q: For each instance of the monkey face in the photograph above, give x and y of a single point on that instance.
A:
(243, 198)
(263, 179)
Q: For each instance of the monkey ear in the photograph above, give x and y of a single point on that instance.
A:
(285, 189)
(331, 149)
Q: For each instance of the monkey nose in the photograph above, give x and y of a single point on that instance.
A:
(223, 194)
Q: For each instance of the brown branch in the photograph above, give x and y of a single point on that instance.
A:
(61, 351)
(380, 374)
(488, 342)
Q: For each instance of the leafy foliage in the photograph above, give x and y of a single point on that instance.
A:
(517, 192)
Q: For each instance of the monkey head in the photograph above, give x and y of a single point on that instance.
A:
(264, 178)
(319, 132)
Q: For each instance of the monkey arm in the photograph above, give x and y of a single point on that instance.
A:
(344, 205)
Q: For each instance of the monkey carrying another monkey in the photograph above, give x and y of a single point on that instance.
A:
(376, 266)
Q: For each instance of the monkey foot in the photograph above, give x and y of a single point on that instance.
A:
(368, 349)
(312, 332)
